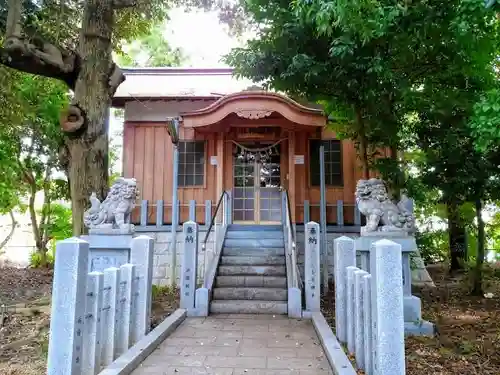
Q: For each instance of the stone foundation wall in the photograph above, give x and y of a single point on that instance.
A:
(163, 263)
(163, 259)
(329, 243)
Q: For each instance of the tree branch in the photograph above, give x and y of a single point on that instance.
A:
(33, 55)
(45, 220)
(12, 229)
(116, 78)
(120, 4)
(41, 58)
(13, 27)
(33, 218)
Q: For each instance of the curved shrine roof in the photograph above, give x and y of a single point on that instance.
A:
(252, 105)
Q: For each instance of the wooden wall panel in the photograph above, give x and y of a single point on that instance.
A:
(150, 161)
(304, 190)
(139, 156)
(228, 164)
(148, 156)
(349, 170)
(301, 171)
(284, 165)
(128, 150)
(160, 161)
(168, 168)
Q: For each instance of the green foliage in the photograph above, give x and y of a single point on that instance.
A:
(391, 74)
(57, 228)
(160, 291)
(485, 121)
(10, 108)
(30, 139)
(433, 245)
(59, 21)
(59, 223)
(39, 259)
(363, 60)
(364, 19)
(136, 22)
(151, 49)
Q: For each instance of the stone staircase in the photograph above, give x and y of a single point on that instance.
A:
(251, 277)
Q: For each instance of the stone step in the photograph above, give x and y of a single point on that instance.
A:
(254, 242)
(255, 228)
(243, 234)
(262, 294)
(248, 307)
(242, 251)
(251, 281)
(251, 271)
(253, 260)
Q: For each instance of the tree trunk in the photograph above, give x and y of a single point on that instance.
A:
(88, 152)
(12, 230)
(477, 287)
(363, 145)
(398, 178)
(94, 78)
(35, 227)
(457, 236)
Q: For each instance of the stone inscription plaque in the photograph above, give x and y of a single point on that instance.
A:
(102, 259)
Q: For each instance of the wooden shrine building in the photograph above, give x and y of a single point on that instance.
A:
(232, 137)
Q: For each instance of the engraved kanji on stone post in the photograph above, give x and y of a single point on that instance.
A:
(312, 267)
(189, 265)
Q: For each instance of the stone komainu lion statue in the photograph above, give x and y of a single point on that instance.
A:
(381, 213)
(115, 210)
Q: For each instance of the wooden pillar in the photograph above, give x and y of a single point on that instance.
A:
(322, 208)
(291, 172)
(220, 168)
(175, 206)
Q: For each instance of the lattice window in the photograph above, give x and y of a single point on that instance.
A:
(333, 162)
(191, 163)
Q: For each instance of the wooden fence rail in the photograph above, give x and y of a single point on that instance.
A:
(159, 214)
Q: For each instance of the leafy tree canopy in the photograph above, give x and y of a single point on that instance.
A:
(151, 49)
(59, 21)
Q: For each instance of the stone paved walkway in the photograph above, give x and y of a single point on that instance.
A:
(239, 345)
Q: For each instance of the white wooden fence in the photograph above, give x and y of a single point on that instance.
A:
(97, 316)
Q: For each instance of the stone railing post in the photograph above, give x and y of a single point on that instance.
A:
(359, 318)
(108, 316)
(92, 333)
(141, 256)
(125, 308)
(312, 267)
(189, 265)
(368, 324)
(387, 308)
(68, 307)
(345, 256)
(350, 310)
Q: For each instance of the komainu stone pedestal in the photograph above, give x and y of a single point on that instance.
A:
(108, 249)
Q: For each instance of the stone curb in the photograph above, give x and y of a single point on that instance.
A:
(133, 357)
(341, 365)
